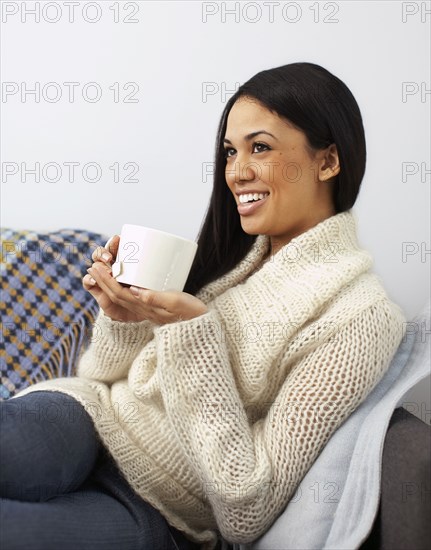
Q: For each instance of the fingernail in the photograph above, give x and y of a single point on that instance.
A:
(106, 256)
(135, 290)
(91, 281)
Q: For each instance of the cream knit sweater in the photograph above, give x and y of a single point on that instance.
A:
(215, 420)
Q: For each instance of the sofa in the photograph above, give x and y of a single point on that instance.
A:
(46, 314)
(46, 324)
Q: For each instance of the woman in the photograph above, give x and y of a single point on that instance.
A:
(211, 404)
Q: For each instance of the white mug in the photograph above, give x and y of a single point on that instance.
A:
(153, 259)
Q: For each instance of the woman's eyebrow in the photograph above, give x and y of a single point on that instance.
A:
(248, 137)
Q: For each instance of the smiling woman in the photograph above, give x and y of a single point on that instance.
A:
(296, 133)
(294, 182)
(211, 404)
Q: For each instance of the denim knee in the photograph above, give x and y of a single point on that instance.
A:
(48, 446)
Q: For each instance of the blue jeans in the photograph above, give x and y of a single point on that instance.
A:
(60, 488)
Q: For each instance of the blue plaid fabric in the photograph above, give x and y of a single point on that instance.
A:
(46, 314)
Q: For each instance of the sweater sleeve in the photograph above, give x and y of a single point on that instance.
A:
(249, 471)
(113, 347)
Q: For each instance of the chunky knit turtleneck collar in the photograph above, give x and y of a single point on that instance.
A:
(327, 248)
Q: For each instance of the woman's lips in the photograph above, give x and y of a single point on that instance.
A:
(247, 208)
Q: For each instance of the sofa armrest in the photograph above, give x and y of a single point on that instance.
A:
(46, 313)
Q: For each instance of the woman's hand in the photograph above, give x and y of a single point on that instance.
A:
(108, 301)
(136, 304)
(166, 306)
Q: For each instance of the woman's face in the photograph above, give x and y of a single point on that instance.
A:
(293, 180)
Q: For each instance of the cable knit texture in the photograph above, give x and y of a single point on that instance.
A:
(215, 420)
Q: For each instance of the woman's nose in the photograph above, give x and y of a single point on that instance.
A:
(242, 169)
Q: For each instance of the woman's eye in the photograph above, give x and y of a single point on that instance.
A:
(260, 145)
(227, 150)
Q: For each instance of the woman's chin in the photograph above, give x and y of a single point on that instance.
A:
(250, 230)
(251, 227)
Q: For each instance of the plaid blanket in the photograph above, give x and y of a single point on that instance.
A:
(46, 315)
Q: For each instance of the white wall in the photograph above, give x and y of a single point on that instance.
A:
(173, 52)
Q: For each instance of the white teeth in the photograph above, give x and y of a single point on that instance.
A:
(247, 197)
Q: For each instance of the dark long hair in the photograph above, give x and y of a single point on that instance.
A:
(316, 102)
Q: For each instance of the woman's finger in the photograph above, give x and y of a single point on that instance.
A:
(102, 265)
(88, 282)
(112, 245)
(101, 254)
(115, 292)
(165, 304)
(169, 306)
(92, 287)
(107, 253)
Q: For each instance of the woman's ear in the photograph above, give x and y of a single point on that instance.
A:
(329, 164)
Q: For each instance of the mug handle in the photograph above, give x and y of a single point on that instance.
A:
(117, 269)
